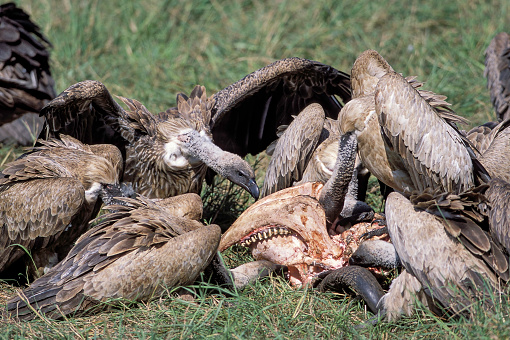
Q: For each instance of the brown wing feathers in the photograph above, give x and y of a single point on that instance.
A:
(25, 78)
(294, 150)
(247, 114)
(464, 217)
(136, 226)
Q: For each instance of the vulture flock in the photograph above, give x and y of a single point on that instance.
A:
(444, 225)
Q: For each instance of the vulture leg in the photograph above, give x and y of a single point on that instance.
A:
(217, 273)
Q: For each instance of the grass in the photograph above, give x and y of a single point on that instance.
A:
(152, 50)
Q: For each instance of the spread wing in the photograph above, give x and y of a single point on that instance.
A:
(448, 269)
(497, 72)
(246, 114)
(87, 112)
(294, 150)
(25, 78)
(434, 152)
(130, 254)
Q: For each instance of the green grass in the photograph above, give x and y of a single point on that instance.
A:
(152, 50)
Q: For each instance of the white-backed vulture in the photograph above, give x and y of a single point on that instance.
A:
(407, 138)
(136, 252)
(26, 84)
(48, 196)
(268, 99)
(249, 115)
(451, 251)
(243, 118)
(306, 151)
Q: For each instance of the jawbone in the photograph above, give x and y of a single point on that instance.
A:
(289, 228)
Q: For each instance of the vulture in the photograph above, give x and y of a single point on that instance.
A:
(165, 155)
(242, 118)
(407, 137)
(257, 113)
(138, 251)
(26, 84)
(497, 72)
(290, 108)
(454, 248)
(48, 196)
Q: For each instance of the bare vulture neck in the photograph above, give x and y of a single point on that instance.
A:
(201, 147)
(227, 164)
(333, 194)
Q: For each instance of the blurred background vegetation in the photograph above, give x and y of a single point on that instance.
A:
(151, 50)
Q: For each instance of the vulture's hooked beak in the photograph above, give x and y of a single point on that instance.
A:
(253, 189)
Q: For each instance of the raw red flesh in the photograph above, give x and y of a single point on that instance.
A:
(290, 250)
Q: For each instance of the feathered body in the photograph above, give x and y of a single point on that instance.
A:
(48, 196)
(452, 253)
(407, 137)
(136, 252)
(156, 162)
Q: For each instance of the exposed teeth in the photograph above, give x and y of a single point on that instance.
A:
(263, 235)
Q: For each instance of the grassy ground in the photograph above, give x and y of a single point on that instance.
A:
(152, 50)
